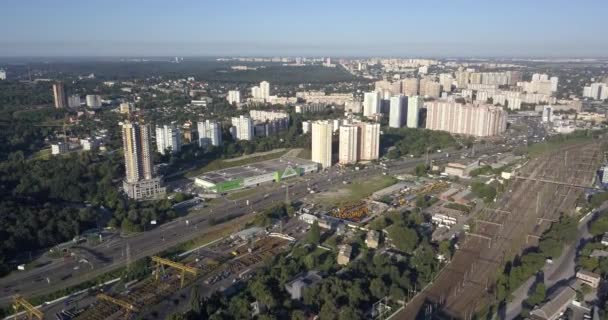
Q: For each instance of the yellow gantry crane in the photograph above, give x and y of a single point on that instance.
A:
(121, 303)
(31, 311)
(181, 267)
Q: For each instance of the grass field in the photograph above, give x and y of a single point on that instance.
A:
(538, 149)
(242, 194)
(355, 191)
(229, 163)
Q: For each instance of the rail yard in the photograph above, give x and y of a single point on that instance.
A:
(539, 193)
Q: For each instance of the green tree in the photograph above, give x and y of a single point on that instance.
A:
(404, 238)
(314, 234)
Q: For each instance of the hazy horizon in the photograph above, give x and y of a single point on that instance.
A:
(459, 28)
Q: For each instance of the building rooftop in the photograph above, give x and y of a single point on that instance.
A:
(555, 305)
(253, 169)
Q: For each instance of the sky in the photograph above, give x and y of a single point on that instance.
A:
(434, 28)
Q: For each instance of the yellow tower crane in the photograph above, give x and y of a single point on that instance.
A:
(121, 303)
(31, 311)
(181, 267)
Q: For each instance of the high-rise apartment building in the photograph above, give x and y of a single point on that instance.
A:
(322, 131)
(74, 101)
(265, 90)
(398, 111)
(59, 95)
(474, 120)
(234, 97)
(93, 101)
(2, 74)
(368, 141)
(243, 128)
(168, 139)
(140, 181)
(348, 153)
(547, 114)
(414, 104)
(371, 103)
(126, 107)
(209, 133)
(410, 86)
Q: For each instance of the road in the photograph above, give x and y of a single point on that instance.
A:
(113, 253)
(558, 273)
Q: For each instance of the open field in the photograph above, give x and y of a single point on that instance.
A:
(541, 191)
(235, 162)
(354, 192)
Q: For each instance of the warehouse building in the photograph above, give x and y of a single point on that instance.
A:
(254, 174)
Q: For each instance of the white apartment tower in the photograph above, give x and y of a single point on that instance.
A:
(168, 139)
(265, 90)
(371, 103)
(321, 142)
(243, 127)
(348, 153)
(473, 120)
(369, 141)
(209, 133)
(414, 104)
(398, 110)
(234, 97)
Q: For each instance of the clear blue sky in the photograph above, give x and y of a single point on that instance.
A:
(304, 27)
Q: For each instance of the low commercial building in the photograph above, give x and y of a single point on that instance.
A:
(372, 240)
(255, 174)
(553, 309)
(296, 286)
(589, 278)
(59, 148)
(459, 169)
(344, 254)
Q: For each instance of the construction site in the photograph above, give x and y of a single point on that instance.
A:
(216, 267)
(537, 195)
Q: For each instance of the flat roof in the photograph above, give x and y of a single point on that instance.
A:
(253, 169)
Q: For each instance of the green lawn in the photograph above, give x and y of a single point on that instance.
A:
(356, 191)
(223, 164)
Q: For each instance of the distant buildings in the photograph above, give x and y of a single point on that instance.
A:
(242, 128)
(140, 181)
(59, 148)
(2, 74)
(209, 133)
(93, 101)
(234, 97)
(547, 114)
(398, 111)
(596, 91)
(74, 101)
(306, 126)
(541, 83)
(371, 103)
(410, 86)
(168, 139)
(414, 104)
(126, 108)
(321, 143)
(261, 92)
(479, 121)
(59, 95)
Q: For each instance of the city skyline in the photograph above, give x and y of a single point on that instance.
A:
(433, 28)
